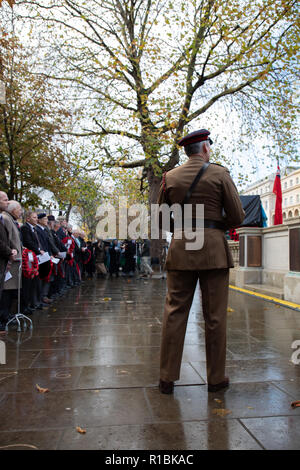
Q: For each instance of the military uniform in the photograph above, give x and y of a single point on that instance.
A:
(210, 265)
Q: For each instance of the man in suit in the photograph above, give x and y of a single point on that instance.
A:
(62, 230)
(55, 226)
(31, 290)
(29, 235)
(210, 264)
(46, 244)
(10, 290)
(7, 252)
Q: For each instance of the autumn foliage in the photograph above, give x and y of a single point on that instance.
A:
(10, 2)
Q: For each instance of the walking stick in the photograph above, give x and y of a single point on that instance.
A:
(19, 316)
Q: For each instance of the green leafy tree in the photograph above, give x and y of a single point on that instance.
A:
(86, 195)
(155, 68)
(30, 118)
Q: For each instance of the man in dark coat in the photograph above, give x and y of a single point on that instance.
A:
(114, 254)
(55, 229)
(31, 287)
(44, 237)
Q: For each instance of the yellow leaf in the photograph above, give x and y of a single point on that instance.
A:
(80, 430)
(217, 400)
(41, 390)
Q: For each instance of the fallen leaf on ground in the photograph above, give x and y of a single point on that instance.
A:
(295, 404)
(229, 309)
(41, 390)
(217, 400)
(221, 412)
(80, 430)
(106, 299)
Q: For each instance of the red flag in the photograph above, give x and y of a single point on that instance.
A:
(278, 192)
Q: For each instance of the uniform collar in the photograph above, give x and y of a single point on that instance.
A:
(196, 157)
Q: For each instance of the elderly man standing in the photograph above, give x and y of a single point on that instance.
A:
(7, 252)
(10, 290)
(45, 268)
(54, 228)
(31, 287)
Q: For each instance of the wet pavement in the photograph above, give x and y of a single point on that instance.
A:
(97, 351)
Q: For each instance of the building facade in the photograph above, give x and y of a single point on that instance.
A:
(290, 185)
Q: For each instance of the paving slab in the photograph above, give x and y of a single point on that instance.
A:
(99, 360)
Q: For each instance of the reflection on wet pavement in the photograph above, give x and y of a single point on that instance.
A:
(100, 361)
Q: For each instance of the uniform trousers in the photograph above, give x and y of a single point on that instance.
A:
(181, 287)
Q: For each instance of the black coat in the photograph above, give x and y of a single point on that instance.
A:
(58, 243)
(29, 239)
(61, 233)
(44, 239)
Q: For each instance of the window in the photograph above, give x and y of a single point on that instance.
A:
(297, 180)
(285, 201)
(266, 204)
(298, 198)
(291, 182)
(291, 199)
(285, 185)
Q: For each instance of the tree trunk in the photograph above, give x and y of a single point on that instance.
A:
(68, 212)
(3, 180)
(156, 246)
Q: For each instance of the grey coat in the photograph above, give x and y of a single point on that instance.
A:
(15, 242)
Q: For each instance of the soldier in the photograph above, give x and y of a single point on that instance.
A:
(210, 264)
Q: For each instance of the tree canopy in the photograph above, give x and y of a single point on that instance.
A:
(31, 154)
(152, 69)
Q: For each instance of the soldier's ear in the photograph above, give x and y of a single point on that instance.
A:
(206, 147)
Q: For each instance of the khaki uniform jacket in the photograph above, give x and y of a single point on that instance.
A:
(15, 242)
(218, 193)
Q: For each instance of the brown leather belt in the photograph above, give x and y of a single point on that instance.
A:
(210, 224)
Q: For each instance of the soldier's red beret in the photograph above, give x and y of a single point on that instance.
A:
(196, 136)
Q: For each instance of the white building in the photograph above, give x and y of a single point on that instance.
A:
(290, 185)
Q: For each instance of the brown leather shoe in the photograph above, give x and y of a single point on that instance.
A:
(219, 386)
(166, 387)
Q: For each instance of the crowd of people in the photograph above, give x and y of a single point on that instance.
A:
(109, 259)
(44, 258)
